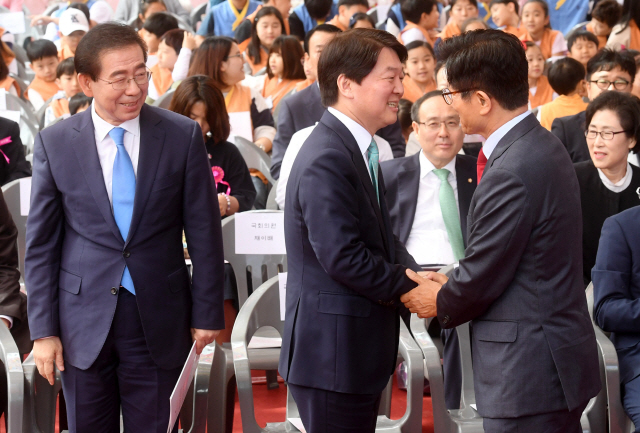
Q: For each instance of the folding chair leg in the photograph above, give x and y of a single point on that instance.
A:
(272, 379)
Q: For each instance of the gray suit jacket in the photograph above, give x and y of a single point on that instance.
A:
(520, 283)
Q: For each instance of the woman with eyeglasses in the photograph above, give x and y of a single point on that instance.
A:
(608, 183)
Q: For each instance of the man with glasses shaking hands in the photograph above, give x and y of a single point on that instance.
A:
(520, 281)
(110, 300)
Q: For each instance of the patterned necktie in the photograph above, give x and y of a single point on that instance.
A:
(450, 215)
(373, 166)
(123, 191)
(482, 162)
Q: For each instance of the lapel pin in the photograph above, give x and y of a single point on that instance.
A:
(470, 180)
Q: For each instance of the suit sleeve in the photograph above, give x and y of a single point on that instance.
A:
(498, 237)
(614, 309)
(203, 231)
(10, 299)
(45, 232)
(557, 128)
(18, 167)
(331, 214)
(284, 132)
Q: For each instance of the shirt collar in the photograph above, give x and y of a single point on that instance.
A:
(362, 136)
(427, 166)
(102, 127)
(498, 134)
(620, 185)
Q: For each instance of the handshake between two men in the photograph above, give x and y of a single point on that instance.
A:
(422, 299)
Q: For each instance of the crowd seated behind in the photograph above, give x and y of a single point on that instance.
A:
(566, 78)
(284, 69)
(535, 21)
(152, 30)
(67, 82)
(268, 25)
(243, 31)
(604, 16)
(43, 56)
(421, 19)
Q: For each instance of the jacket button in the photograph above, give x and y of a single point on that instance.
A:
(114, 291)
(126, 254)
(446, 319)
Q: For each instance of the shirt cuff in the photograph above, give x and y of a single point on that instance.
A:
(10, 319)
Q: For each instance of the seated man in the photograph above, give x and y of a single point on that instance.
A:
(428, 195)
(607, 70)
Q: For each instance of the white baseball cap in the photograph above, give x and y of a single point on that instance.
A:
(72, 20)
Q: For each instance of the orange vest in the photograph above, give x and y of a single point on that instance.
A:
(602, 40)
(562, 106)
(238, 99)
(46, 90)
(161, 79)
(546, 42)
(516, 31)
(304, 84)
(255, 67)
(634, 44)
(412, 90)
(276, 90)
(60, 107)
(8, 82)
(450, 30)
(544, 93)
(410, 26)
(334, 21)
(65, 53)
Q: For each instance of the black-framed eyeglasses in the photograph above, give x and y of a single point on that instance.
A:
(435, 125)
(605, 84)
(140, 80)
(605, 135)
(447, 94)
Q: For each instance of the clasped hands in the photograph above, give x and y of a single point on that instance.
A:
(422, 299)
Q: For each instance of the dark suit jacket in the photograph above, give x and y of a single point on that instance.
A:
(570, 130)
(402, 180)
(346, 270)
(520, 282)
(616, 288)
(76, 255)
(13, 303)
(18, 166)
(304, 109)
(598, 204)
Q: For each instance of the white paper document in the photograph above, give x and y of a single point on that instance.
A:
(240, 126)
(258, 342)
(180, 391)
(282, 288)
(25, 195)
(12, 22)
(260, 233)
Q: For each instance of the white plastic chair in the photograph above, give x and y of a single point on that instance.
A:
(11, 192)
(255, 157)
(10, 357)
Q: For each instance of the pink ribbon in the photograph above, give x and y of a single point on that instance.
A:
(218, 175)
(2, 143)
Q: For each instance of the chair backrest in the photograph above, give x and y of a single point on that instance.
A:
(11, 192)
(21, 83)
(40, 399)
(250, 270)
(255, 157)
(196, 14)
(164, 101)
(444, 16)
(28, 121)
(10, 357)
(41, 113)
(271, 199)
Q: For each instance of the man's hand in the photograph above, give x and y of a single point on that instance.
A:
(434, 276)
(46, 351)
(422, 299)
(202, 337)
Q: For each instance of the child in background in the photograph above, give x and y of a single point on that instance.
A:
(421, 17)
(169, 50)
(154, 27)
(419, 70)
(604, 16)
(474, 23)
(148, 8)
(6, 82)
(79, 103)
(73, 26)
(43, 56)
(346, 9)
(535, 22)
(540, 92)
(567, 79)
(583, 45)
(461, 10)
(284, 70)
(505, 15)
(67, 82)
(267, 26)
(361, 21)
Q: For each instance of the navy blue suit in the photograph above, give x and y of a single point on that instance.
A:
(346, 272)
(76, 255)
(616, 290)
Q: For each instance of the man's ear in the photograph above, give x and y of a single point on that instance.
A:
(345, 86)
(484, 102)
(416, 129)
(86, 84)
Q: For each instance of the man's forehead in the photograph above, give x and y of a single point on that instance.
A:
(436, 107)
(615, 71)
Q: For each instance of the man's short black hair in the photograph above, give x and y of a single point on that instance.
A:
(160, 23)
(506, 2)
(581, 34)
(607, 59)
(348, 3)
(412, 10)
(318, 9)
(66, 67)
(565, 75)
(489, 60)
(41, 48)
(608, 12)
(415, 109)
(326, 28)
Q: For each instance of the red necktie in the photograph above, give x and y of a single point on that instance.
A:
(482, 161)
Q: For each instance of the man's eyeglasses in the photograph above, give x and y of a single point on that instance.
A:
(433, 125)
(605, 135)
(448, 94)
(605, 84)
(140, 79)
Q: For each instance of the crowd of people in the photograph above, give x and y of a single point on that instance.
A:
(256, 70)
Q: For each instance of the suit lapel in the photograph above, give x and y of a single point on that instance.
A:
(84, 144)
(408, 186)
(525, 125)
(151, 144)
(464, 173)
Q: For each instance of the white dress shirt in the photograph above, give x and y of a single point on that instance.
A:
(620, 185)
(107, 149)
(498, 134)
(428, 241)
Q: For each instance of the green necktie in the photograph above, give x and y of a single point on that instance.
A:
(450, 215)
(373, 166)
